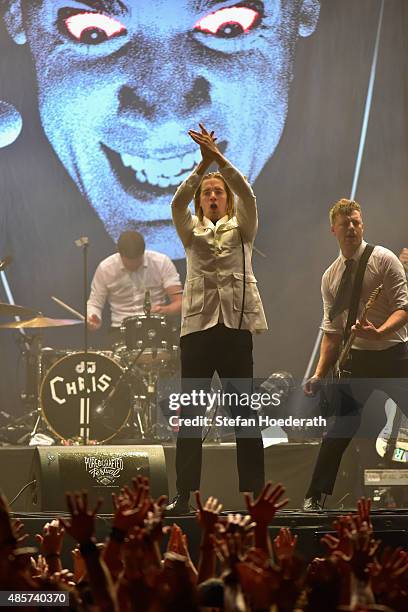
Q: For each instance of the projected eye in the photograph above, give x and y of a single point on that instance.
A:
(230, 22)
(92, 28)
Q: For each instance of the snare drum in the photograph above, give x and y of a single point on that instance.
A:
(71, 413)
(154, 335)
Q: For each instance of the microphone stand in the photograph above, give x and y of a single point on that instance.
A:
(83, 243)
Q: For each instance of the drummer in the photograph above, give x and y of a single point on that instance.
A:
(134, 281)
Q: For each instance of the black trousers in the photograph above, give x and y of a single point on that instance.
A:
(229, 352)
(385, 370)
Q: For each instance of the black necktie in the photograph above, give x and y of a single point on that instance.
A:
(343, 295)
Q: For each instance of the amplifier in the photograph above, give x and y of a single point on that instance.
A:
(385, 477)
(101, 470)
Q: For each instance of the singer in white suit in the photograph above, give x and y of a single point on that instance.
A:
(128, 278)
(221, 310)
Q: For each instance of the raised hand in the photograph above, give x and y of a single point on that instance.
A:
(208, 515)
(260, 581)
(230, 550)
(154, 519)
(79, 567)
(264, 508)
(51, 539)
(364, 509)
(126, 514)
(140, 556)
(386, 573)
(207, 142)
(81, 527)
(237, 523)
(285, 544)
(178, 544)
(361, 546)
(19, 531)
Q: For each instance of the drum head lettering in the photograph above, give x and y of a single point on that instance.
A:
(83, 396)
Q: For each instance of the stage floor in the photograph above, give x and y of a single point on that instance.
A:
(37, 477)
(391, 526)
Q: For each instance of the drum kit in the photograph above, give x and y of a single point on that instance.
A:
(92, 396)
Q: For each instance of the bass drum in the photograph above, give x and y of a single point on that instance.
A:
(72, 413)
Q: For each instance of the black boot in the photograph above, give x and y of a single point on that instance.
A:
(179, 505)
(313, 503)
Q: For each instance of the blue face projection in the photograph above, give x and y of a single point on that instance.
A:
(120, 84)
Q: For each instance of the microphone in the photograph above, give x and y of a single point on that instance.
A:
(5, 262)
(147, 305)
(83, 241)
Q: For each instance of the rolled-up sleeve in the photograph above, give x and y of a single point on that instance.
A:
(395, 282)
(337, 325)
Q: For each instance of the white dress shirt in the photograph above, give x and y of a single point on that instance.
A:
(125, 290)
(213, 290)
(383, 267)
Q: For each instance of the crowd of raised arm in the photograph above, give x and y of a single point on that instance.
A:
(144, 565)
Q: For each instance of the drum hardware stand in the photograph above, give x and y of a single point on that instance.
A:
(127, 372)
(150, 382)
(32, 352)
(144, 408)
(37, 345)
(146, 412)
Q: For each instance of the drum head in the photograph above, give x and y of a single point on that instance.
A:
(71, 412)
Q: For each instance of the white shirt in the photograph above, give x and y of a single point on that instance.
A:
(125, 290)
(383, 267)
(213, 290)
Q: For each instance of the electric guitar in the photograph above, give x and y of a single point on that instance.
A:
(342, 365)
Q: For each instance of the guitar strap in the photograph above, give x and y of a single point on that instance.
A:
(356, 292)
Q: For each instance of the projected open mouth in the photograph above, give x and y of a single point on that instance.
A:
(142, 176)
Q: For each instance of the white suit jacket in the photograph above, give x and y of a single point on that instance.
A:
(213, 291)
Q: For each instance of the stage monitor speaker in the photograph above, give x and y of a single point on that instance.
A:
(101, 470)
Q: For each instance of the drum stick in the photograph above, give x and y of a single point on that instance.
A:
(72, 310)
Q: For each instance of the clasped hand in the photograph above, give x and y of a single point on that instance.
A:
(207, 142)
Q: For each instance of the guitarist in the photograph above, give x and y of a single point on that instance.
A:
(380, 348)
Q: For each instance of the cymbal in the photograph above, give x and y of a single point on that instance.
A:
(40, 322)
(18, 311)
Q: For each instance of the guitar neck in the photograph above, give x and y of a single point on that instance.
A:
(346, 349)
